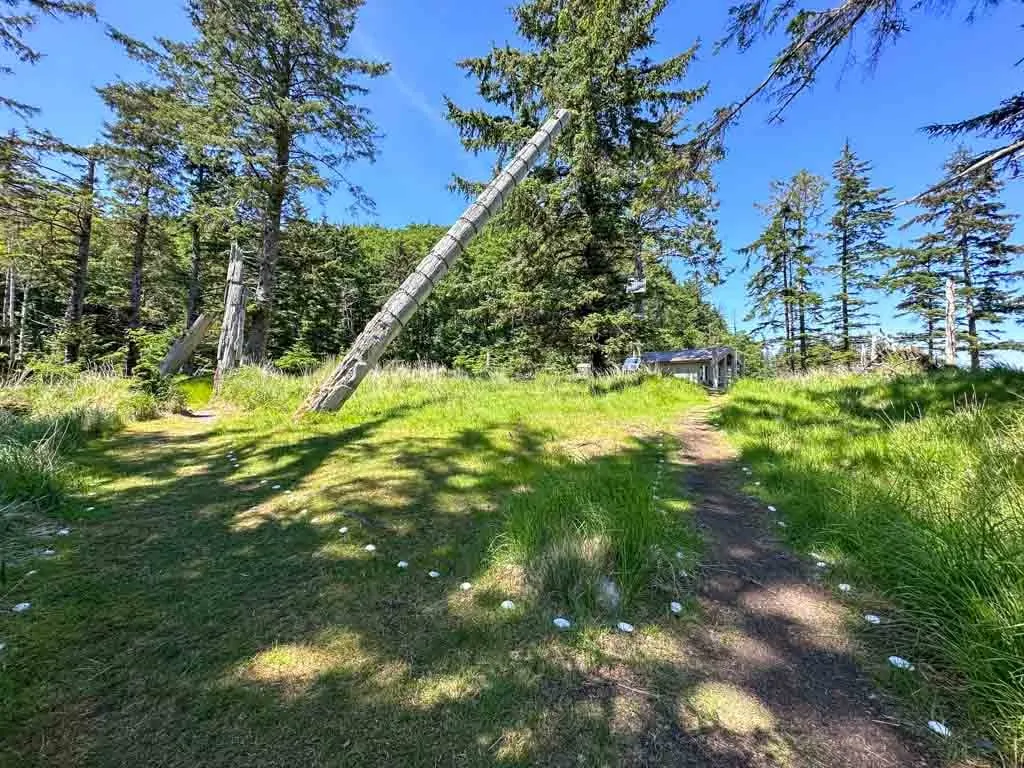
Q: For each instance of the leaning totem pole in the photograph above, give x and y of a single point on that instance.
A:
(396, 312)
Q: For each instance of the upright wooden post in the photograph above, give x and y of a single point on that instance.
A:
(950, 322)
(184, 346)
(232, 330)
(397, 311)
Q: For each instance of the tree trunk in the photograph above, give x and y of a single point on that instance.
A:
(787, 304)
(950, 322)
(7, 316)
(396, 312)
(195, 289)
(79, 276)
(20, 359)
(135, 297)
(803, 331)
(232, 329)
(973, 343)
(263, 300)
(844, 277)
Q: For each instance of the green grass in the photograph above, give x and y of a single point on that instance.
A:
(41, 422)
(199, 616)
(914, 485)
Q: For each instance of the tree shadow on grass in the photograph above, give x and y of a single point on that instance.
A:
(207, 619)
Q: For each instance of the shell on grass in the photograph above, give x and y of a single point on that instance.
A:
(940, 728)
(562, 623)
(433, 574)
(871, 618)
(343, 529)
(625, 626)
(21, 607)
(403, 564)
(64, 532)
(370, 548)
(845, 588)
(900, 663)
(465, 586)
(675, 607)
(772, 509)
(508, 605)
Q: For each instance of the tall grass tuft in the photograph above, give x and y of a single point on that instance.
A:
(916, 483)
(42, 421)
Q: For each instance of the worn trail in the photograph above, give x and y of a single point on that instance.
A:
(773, 649)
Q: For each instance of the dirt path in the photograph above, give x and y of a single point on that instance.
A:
(774, 646)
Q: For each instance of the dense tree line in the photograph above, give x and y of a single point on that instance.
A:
(966, 243)
(113, 248)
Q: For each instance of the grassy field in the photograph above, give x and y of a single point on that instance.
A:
(203, 613)
(913, 487)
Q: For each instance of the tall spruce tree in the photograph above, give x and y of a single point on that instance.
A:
(141, 154)
(613, 191)
(917, 275)
(279, 75)
(783, 289)
(971, 237)
(863, 215)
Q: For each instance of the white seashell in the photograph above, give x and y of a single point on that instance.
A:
(940, 728)
(2, 646)
(402, 564)
(21, 607)
(49, 552)
(757, 482)
(845, 588)
(871, 618)
(679, 555)
(772, 509)
(780, 523)
(508, 605)
(675, 607)
(465, 586)
(562, 623)
(370, 548)
(288, 491)
(32, 573)
(263, 482)
(343, 529)
(64, 532)
(900, 663)
(90, 509)
(625, 626)
(275, 487)
(433, 574)
(822, 564)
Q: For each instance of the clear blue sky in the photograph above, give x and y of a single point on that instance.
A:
(941, 71)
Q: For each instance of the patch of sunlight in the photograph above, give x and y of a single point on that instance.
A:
(434, 690)
(731, 708)
(823, 624)
(269, 512)
(630, 716)
(517, 744)
(291, 668)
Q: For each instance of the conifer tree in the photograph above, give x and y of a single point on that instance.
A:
(863, 214)
(613, 191)
(142, 160)
(279, 75)
(917, 275)
(970, 238)
(783, 289)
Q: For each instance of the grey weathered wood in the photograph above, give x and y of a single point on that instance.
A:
(950, 322)
(396, 312)
(185, 345)
(232, 330)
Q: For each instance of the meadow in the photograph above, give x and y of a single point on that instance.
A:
(229, 590)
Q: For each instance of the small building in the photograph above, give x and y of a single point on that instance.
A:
(714, 367)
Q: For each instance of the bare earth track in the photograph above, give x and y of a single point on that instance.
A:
(772, 649)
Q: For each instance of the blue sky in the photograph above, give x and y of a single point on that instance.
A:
(941, 71)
